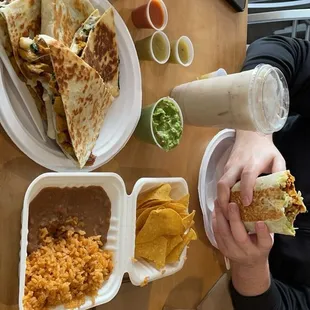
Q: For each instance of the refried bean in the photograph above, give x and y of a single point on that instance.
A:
(54, 207)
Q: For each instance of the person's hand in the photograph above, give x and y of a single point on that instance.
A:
(235, 243)
(252, 155)
(248, 254)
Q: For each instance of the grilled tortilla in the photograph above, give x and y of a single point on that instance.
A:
(275, 202)
(62, 18)
(4, 35)
(82, 34)
(20, 18)
(77, 97)
(96, 43)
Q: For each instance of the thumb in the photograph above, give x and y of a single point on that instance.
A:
(278, 164)
(264, 239)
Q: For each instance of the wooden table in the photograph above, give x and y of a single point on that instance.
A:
(219, 37)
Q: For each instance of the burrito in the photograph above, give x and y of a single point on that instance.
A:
(275, 202)
(95, 42)
(75, 95)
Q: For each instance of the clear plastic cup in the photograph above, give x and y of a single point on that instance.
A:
(218, 72)
(255, 100)
(154, 48)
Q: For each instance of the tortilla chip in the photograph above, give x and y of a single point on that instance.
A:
(188, 220)
(177, 207)
(164, 222)
(183, 214)
(154, 251)
(161, 193)
(151, 203)
(175, 254)
(144, 216)
(184, 200)
(172, 243)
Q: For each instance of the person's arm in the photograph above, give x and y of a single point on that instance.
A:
(278, 296)
(292, 57)
(251, 280)
(252, 287)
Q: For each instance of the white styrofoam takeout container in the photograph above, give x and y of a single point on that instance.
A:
(121, 235)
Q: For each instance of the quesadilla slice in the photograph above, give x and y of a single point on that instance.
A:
(20, 18)
(96, 43)
(82, 34)
(62, 18)
(76, 97)
(5, 40)
(275, 202)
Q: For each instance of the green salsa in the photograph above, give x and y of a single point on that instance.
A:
(167, 124)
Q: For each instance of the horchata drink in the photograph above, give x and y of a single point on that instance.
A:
(255, 100)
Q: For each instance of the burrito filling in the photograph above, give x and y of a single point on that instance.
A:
(297, 205)
(81, 37)
(38, 67)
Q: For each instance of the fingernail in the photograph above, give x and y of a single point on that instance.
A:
(246, 201)
(261, 225)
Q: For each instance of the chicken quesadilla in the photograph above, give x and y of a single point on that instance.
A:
(73, 89)
(75, 95)
(275, 202)
(20, 18)
(82, 34)
(62, 18)
(95, 42)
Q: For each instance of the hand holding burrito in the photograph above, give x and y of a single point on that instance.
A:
(252, 155)
(232, 239)
(275, 202)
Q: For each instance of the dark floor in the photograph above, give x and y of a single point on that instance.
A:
(261, 30)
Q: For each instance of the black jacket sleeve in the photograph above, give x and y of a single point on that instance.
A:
(292, 57)
(278, 297)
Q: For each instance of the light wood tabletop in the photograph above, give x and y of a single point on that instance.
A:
(219, 37)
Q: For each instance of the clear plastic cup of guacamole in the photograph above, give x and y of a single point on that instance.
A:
(161, 124)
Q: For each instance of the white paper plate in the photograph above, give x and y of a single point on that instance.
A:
(211, 170)
(119, 124)
(121, 234)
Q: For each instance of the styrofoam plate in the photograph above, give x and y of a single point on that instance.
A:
(121, 235)
(211, 170)
(119, 124)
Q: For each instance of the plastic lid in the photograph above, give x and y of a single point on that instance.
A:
(211, 170)
(268, 99)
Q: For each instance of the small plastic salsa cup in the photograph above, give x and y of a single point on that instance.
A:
(153, 15)
(155, 47)
(146, 130)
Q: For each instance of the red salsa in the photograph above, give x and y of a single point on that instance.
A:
(157, 13)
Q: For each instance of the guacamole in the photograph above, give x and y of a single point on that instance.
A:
(167, 124)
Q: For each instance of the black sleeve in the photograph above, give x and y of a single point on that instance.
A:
(292, 57)
(278, 297)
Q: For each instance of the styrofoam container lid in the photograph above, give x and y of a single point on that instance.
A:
(211, 170)
(121, 234)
